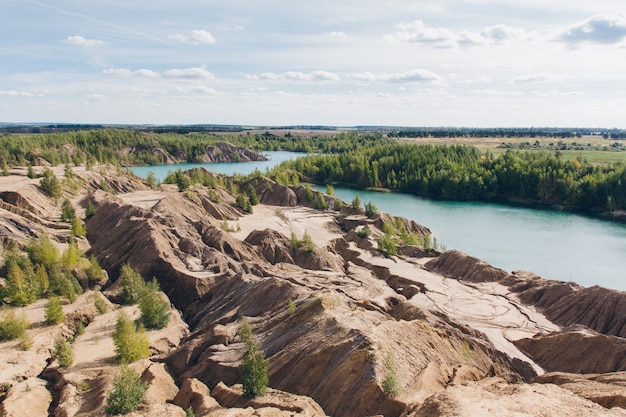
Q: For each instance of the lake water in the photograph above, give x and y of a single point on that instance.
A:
(552, 244)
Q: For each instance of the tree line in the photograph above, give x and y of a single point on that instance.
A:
(462, 172)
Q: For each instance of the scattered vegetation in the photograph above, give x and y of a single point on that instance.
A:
(291, 306)
(127, 392)
(370, 209)
(390, 383)
(132, 284)
(63, 352)
(54, 311)
(254, 365)
(155, 310)
(305, 243)
(131, 341)
(50, 184)
(100, 304)
(364, 232)
(12, 326)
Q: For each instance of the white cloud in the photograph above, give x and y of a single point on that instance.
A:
(189, 73)
(197, 37)
(537, 78)
(600, 28)
(146, 73)
(184, 73)
(15, 93)
(416, 75)
(419, 33)
(313, 76)
(81, 41)
(337, 36)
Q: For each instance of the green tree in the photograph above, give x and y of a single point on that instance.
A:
(155, 310)
(54, 311)
(12, 326)
(63, 352)
(131, 341)
(152, 181)
(50, 184)
(370, 209)
(67, 211)
(127, 392)
(132, 284)
(356, 202)
(31, 172)
(254, 365)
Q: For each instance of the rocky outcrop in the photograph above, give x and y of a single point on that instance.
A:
(607, 390)
(28, 398)
(457, 265)
(600, 309)
(593, 353)
(227, 152)
(494, 397)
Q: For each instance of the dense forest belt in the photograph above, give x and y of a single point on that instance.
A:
(464, 173)
(363, 160)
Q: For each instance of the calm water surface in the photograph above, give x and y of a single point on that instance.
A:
(552, 244)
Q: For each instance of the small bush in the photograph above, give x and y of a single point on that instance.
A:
(254, 365)
(54, 311)
(356, 202)
(94, 271)
(155, 311)
(330, 190)
(11, 326)
(25, 342)
(364, 232)
(100, 304)
(132, 285)
(127, 392)
(78, 228)
(67, 211)
(50, 184)
(370, 209)
(390, 383)
(386, 244)
(31, 172)
(131, 342)
(90, 210)
(189, 412)
(63, 352)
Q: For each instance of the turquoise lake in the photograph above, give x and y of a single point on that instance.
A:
(552, 244)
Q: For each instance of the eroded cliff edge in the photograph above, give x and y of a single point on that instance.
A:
(453, 324)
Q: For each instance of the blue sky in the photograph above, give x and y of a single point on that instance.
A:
(477, 63)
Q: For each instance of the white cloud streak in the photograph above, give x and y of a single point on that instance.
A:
(412, 76)
(418, 32)
(197, 37)
(313, 76)
(78, 40)
(177, 73)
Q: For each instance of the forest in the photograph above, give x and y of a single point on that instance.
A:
(461, 172)
(357, 159)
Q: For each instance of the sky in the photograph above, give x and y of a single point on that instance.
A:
(472, 63)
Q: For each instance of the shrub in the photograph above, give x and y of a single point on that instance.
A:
(364, 232)
(63, 352)
(90, 210)
(67, 211)
(100, 304)
(387, 244)
(152, 181)
(43, 252)
(25, 342)
(155, 311)
(132, 285)
(127, 392)
(370, 209)
(50, 184)
(338, 204)
(70, 256)
(356, 202)
(131, 342)
(307, 242)
(78, 228)
(252, 196)
(390, 383)
(20, 287)
(11, 326)
(254, 365)
(330, 190)
(94, 271)
(319, 202)
(31, 172)
(54, 311)
(189, 412)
